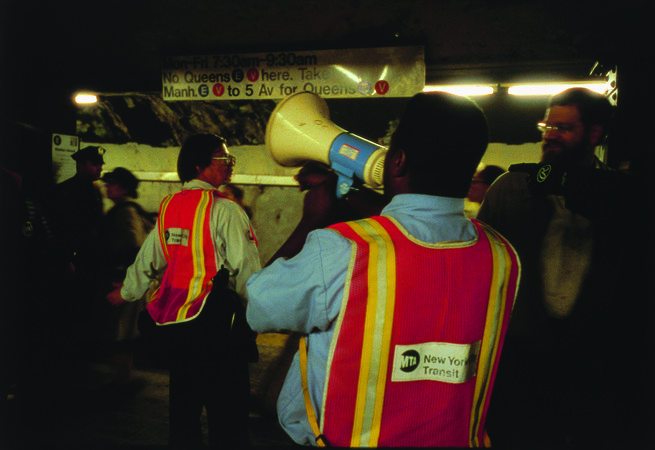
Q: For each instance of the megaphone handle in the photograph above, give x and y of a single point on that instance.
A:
(343, 185)
(344, 179)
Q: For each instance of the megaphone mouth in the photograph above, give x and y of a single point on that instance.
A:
(300, 130)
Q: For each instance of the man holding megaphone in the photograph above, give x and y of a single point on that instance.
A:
(404, 313)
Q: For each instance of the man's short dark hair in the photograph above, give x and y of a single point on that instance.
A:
(594, 108)
(196, 152)
(444, 137)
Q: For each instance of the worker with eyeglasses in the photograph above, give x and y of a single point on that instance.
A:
(571, 219)
(204, 246)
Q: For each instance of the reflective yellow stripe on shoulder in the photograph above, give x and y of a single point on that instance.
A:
(502, 268)
(377, 335)
(197, 253)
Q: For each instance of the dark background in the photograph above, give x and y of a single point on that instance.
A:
(48, 50)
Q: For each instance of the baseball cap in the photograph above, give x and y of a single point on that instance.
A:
(90, 153)
(123, 177)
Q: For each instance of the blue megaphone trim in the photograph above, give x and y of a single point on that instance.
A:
(348, 156)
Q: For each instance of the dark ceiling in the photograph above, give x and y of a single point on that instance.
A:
(50, 49)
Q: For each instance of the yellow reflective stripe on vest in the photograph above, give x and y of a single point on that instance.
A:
(377, 332)
(162, 230)
(197, 253)
(502, 267)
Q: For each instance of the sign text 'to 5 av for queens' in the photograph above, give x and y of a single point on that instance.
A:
(350, 73)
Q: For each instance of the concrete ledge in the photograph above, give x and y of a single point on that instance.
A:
(262, 180)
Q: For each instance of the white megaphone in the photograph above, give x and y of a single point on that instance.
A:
(300, 130)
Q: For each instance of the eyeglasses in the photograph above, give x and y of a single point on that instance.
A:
(559, 128)
(230, 160)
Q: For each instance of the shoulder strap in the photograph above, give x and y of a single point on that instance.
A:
(162, 238)
(369, 232)
(506, 270)
(311, 414)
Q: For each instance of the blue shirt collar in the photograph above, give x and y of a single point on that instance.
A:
(431, 219)
(420, 204)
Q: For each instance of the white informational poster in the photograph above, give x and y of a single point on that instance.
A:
(347, 73)
(63, 147)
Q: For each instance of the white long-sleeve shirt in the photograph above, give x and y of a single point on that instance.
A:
(234, 245)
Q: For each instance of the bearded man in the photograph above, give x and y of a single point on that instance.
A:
(572, 221)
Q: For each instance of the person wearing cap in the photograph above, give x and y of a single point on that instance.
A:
(76, 213)
(205, 247)
(125, 228)
(78, 206)
(120, 185)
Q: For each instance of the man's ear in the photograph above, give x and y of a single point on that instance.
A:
(398, 163)
(199, 171)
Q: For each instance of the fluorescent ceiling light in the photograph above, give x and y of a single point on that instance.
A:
(467, 90)
(553, 88)
(85, 98)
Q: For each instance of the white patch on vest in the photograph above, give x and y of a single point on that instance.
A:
(177, 236)
(435, 361)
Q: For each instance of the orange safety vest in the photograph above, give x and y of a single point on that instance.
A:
(418, 338)
(188, 246)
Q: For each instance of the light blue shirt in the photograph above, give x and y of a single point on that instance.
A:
(304, 294)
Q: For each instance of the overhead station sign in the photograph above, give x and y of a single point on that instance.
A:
(351, 73)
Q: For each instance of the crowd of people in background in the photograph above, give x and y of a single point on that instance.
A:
(562, 365)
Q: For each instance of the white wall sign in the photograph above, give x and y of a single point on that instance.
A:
(349, 73)
(63, 147)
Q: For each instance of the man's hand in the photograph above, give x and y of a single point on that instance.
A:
(115, 297)
(314, 174)
(321, 206)
(543, 179)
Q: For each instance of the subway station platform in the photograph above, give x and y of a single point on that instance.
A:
(93, 413)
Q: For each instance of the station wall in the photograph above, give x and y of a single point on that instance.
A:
(276, 205)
